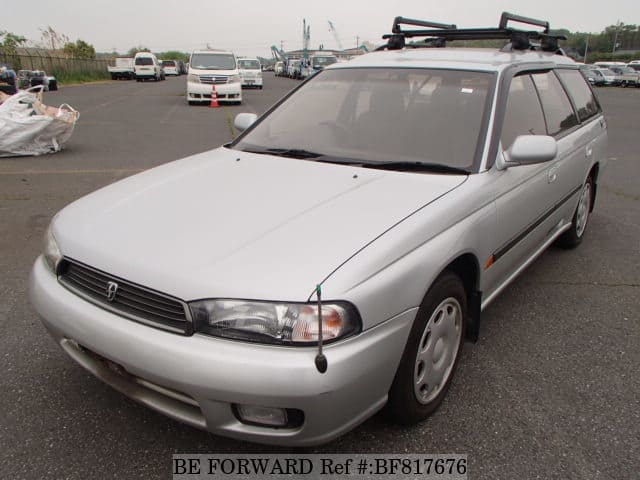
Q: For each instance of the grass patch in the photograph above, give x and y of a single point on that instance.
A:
(80, 76)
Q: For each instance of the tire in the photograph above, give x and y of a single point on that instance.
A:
(436, 337)
(573, 237)
(53, 86)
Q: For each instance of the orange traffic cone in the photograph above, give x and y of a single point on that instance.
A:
(214, 98)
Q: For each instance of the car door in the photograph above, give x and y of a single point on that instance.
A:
(524, 194)
(589, 141)
(565, 176)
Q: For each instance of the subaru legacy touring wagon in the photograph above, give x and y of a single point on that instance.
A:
(332, 259)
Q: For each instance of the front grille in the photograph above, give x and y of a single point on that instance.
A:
(214, 79)
(126, 299)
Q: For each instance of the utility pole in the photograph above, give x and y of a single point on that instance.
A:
(357, 41)
(586, 49)
(615, 40)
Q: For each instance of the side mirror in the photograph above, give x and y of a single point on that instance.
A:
(529, 150)
(244, 121)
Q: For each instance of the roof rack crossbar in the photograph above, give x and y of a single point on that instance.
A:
(519, 38)
(418, 23)
(506, 17)
(475, 34)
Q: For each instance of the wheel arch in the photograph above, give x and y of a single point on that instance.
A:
(467, 268)
(594, 173)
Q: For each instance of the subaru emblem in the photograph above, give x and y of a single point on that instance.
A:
(112, 288)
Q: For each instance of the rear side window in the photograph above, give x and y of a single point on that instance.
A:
(523, 115)
(586, 103)
(556, 105)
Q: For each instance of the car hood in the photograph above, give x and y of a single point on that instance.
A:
(232, 224)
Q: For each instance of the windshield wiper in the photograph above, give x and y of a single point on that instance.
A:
(416, 167)
(286, 152)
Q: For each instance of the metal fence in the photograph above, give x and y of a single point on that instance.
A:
(52, 64)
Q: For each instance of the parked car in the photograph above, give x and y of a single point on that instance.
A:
(320, 61)
(33, 78)
(610, 78)
(123, 68)
(628, 76)
(635, 66)
(8, 80)
(278, 69)
(171, 67)
(250, 72)
(332, 258)
(293, 69)
(147, 67)
(213, 68)
(593, 76)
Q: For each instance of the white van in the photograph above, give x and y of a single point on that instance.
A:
(213, 68)
(250, 72)
(147, 67)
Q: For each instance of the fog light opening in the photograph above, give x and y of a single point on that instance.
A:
(271, 417)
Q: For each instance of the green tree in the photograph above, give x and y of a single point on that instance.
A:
(133, 50)
(80, 49)
(9, 42)
(174, 55)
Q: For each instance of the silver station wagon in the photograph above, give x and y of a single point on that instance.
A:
(333, 258)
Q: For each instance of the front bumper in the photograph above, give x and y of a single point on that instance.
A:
(197, 379)
(227, 92)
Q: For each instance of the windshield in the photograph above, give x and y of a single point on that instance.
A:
(168, 63)
(606, 71)
(213, 61)
(319, 62)
(249, 64)
(627, 70)
(376, 115)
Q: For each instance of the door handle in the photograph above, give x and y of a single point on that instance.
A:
(552, 175)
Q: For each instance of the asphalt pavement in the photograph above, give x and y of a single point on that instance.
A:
(551, 389)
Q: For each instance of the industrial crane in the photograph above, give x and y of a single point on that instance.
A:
(332, 28)
(306, 37)
(278, 54)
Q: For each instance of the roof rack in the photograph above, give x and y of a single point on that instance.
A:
(439, 34)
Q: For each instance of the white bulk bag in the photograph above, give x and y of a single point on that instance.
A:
(27, 127)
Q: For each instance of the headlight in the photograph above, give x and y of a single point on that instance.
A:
(275, 323)
(192, 77)
(234, 79)
(51, 252)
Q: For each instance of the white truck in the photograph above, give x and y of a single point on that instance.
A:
(123, 69)
(317, 62)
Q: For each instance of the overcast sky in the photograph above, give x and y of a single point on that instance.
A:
(250, 27)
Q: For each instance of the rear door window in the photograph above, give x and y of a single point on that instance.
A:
(557, 108)
(583, 97)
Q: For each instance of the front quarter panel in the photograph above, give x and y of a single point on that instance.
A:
(393, 274)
